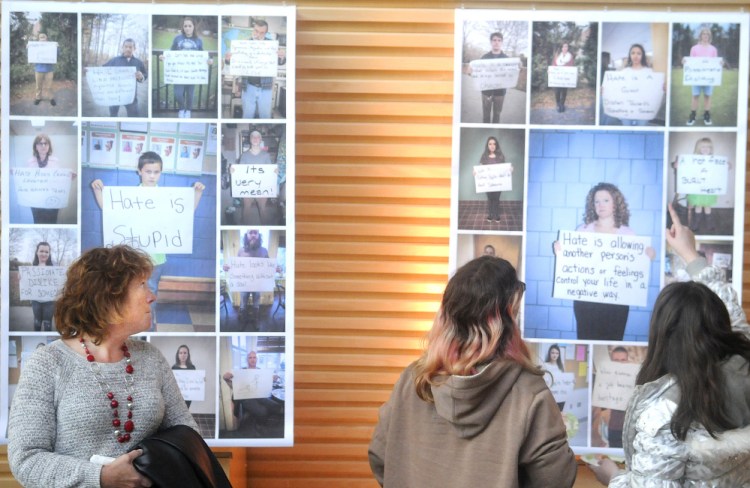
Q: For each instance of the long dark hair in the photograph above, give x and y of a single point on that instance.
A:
(690, 336)
(559, 356)
(644, 59)
(188, 362)
(476, 324)
(36, 256)
(498, 152)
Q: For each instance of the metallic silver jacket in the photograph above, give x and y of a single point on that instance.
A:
(654, 457)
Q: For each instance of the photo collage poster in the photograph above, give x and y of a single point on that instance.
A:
(561, 118)
(173, 134)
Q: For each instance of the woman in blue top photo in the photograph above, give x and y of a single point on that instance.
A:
(186, 40)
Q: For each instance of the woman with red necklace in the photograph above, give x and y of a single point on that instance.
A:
(96, 391)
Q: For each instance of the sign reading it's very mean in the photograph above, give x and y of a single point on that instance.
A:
(255, 180)
(602, 268)
(157, 220)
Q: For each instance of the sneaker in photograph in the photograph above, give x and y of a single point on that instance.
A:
(691, 119)
(707, 118)
(187, 114)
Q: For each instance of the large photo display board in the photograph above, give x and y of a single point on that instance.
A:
(173, 134)
(562, 117)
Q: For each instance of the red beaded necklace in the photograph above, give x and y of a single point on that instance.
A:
(128, 426)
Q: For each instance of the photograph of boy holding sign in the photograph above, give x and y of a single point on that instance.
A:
(499, 75)
(114, 75)
(149, 171)
(633, 95)
(705, 62)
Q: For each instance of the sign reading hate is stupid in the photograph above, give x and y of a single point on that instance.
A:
(602, 268)
(156, 220)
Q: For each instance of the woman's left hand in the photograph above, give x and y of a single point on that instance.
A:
(605, 470)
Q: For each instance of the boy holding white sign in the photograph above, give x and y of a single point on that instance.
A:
(149, 171)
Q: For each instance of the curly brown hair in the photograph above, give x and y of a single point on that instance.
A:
(622, 214)
(96, 289)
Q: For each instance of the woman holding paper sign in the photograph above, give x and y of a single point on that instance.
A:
(493, 155)
(553, 364)
(637, 61)
(182, 361)
(43, 311)
(699, 206)
(186, 40)
(95, 391)
(687, 423)
(43, 158)
(606, 213)
(475, 388)
(562, 58)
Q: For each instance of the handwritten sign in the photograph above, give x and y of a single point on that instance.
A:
(251, 274)
(157, 220)
(614, 384)
(192, 383)
(702, 71)
(602, 268)
(42, 187)
(255, 180)
(562, 76)
(42, 52)
(560, 384)
(492, 74)
(699, 174)
(41, 283)
(493, 177)
(254, 58)
(632, 94)
(252, 383)
(111, 85)
(186, 67)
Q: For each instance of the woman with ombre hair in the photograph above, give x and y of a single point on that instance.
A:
(474, 409)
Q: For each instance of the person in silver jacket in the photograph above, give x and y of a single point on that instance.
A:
(688, 421)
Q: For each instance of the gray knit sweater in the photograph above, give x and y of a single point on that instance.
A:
(60, 417)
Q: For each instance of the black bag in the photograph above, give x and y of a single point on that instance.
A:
(178, 456)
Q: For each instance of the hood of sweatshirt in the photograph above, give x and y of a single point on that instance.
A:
(470, 402)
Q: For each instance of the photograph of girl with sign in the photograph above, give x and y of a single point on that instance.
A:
(169, 215)
(253, 174)
(596, 261)
(705, 74)
(194, 367)
(44, 78)
(114, 52)
(472, 246)
(493, 71)
(566, 375)
(254, 56)
(253, 280)
(44, 168)
(615, 370)
(701, 180)
(183, 57)
(563, 75)
(633, 90)
(39, 258)
(252, 395)
(491, 174)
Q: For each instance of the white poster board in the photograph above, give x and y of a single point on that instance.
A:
(42, 187)
(562, 76)
(186, 67)
(251, 274)
(493, 177)
(192, 383)
(699, 174)
(560, 384)
(111, 85)
(157, 220)
(255, 180)
(493, 74)
(614, 384)
(254, 58)
(702, 71)
(631, 94)
(252, 383)
(602, 268)
(42, 52)
(41, 283)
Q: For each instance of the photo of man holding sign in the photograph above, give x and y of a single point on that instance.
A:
(114, 75)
